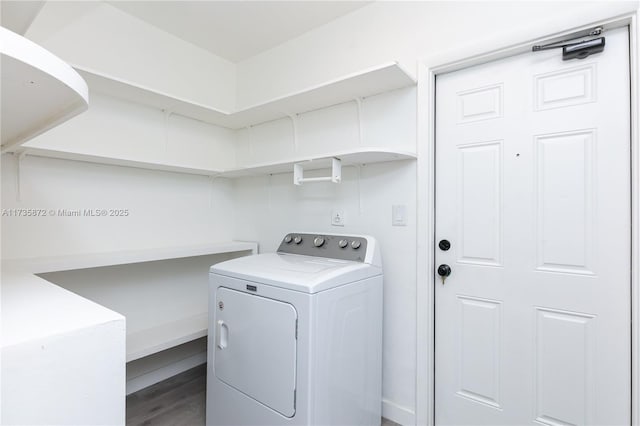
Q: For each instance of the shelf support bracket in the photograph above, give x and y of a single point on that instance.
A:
(358, 102)
(19, 157)
(167, 114)
(249, 140)
(359, 179)
(336, 173)
(294, 124)
(212, 188)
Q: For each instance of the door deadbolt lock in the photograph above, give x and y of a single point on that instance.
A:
(444, 245)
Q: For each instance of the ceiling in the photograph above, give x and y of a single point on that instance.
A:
(237, 30)
(233, 29)
(18, 15)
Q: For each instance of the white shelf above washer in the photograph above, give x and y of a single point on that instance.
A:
(369, 82)
(39, 90)
(312, 162)
(42, 265)
(356, 156)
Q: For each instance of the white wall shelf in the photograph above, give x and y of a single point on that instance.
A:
(39, 90)
(164, 336)
(40, 265)
(98, 159)
(357, 156)
(372, 81)
(356, 86)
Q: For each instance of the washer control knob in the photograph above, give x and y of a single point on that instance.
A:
(288, 239)
(318, 241)
(297, 239)
(343, 243)
(355, 244)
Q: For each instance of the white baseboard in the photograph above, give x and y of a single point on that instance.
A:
(397, 413)
(163, 373)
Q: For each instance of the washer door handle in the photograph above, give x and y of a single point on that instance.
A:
(222, 335)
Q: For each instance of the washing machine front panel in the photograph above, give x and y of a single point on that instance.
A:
(255, 347)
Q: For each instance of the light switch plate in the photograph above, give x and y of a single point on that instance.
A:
(399, 215)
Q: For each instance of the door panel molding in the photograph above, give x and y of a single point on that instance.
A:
(556, 250)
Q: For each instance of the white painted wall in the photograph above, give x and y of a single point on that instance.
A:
(389, 121)
(97, 36)
(406, 31)
(118, 129)
(166, 209)
(268, 207)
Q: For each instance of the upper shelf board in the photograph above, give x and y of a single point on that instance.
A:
(348, 158)
(363, 84)
(124, 162)
(358, 156)
(39, 90)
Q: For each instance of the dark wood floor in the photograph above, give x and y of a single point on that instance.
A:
(177, 401)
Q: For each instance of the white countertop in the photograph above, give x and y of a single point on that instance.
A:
(43, 309)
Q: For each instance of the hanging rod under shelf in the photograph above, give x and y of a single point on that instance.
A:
(336, 173)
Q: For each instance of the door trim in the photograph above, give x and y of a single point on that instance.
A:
(427, 72)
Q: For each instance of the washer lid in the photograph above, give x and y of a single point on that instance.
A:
(307, 274)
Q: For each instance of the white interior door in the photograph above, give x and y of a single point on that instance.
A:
(533, 193)
(255, 348)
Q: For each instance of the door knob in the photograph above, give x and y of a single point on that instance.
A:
(444, 271)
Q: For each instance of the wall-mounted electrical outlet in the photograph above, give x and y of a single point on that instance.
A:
(337, 218)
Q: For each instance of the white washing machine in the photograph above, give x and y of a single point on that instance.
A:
(295, 337)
